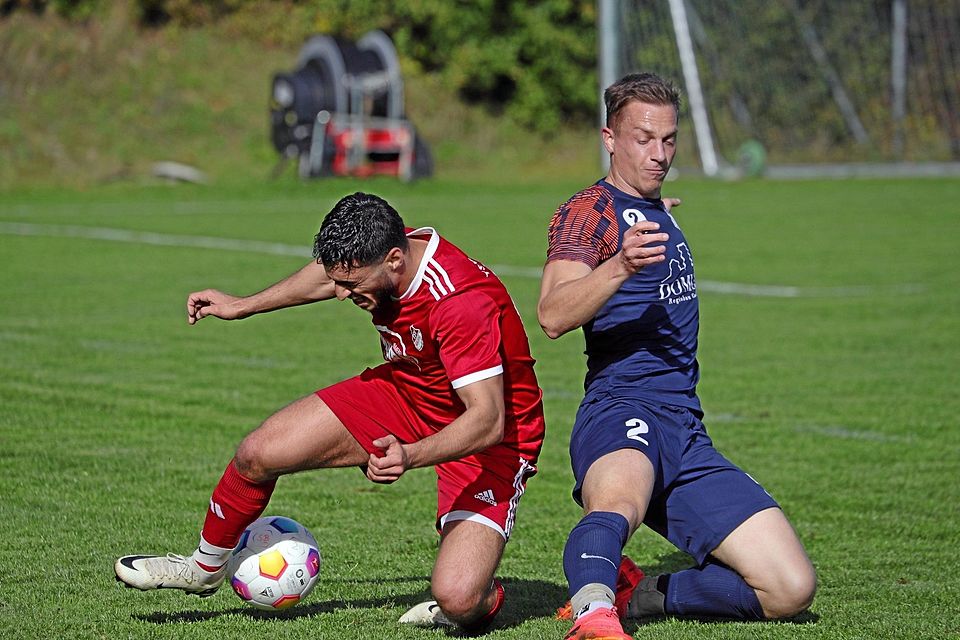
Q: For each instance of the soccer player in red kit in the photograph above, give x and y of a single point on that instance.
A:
(457, 391)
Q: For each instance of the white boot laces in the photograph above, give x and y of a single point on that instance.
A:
(171, 566)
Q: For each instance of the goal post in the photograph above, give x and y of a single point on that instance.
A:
(798, 82)
(691, 79)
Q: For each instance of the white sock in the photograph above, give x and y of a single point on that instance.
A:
(591, 597)
(593, 606)
(209, 555)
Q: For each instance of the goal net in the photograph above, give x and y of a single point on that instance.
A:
(798, 81)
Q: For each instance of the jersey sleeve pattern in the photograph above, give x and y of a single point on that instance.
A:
(584, 229)
(467, 330)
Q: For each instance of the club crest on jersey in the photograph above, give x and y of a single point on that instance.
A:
(680, 284)
(394, 350)
(417, 338)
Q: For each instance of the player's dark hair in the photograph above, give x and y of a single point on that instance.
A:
(359, 231)
(648, 88)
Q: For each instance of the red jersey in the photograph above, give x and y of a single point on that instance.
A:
(454, 325)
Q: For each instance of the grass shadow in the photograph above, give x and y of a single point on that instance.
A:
(678, 561)
(669, 563)
(807, 617)
(525, 599)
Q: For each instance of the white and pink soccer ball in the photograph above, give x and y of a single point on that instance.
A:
(276, 563)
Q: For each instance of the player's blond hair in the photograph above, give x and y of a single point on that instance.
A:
(648, 88)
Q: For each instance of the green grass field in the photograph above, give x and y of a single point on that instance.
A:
(832, 380)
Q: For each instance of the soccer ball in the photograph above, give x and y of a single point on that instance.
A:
(275, 564)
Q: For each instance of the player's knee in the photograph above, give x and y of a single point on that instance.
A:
(459, 602)
(792, 594)
(249, 460)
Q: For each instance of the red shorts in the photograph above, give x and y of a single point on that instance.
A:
(485, 487)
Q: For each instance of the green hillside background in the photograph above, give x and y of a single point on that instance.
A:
(95, 93)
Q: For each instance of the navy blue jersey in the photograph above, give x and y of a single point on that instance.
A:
(643, 341)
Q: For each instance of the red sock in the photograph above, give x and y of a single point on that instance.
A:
(236, 502)
(484, 622)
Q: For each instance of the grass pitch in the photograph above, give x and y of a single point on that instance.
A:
(830, 345)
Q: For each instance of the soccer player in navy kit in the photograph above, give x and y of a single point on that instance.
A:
(457, 391)
(619, 266)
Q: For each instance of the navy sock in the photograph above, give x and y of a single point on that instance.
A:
(711, 590)
(592, 553)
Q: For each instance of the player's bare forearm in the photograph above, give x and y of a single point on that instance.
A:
(308, 284)
(571, 293)
(468, 434)
(480, 426)
(472, 432)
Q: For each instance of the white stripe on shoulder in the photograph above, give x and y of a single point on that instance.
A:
(477, 376)
(427, 278)
(443, 273)
(435, 278)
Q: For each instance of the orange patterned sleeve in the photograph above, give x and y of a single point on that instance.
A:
(584, 228)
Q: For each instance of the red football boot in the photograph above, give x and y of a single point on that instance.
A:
(599, 624)
(628, 577)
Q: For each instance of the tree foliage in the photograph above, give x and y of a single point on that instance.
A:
(531, 60)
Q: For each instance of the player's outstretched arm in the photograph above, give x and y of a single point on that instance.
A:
(480, 426)
(571, 293)
(309, 284)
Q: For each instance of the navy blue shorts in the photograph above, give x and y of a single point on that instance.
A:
(699, 497)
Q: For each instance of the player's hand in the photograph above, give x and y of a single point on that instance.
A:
(642, 246)
(670, 203)
(211, 302)
(391, 465)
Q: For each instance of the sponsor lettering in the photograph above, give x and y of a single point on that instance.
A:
(681, 283)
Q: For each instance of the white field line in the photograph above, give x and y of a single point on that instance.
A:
(852, 434)
(277, 248)
(833, 431)
(149, 237)
(125, 209)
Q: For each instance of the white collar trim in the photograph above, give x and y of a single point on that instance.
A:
(432, 245)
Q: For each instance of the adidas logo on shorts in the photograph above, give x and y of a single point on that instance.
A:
(487, 496)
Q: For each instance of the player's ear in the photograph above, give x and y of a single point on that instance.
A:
(394, 259)
(606, 135)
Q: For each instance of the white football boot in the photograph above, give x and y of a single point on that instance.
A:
(168, 572)
(426, 614)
